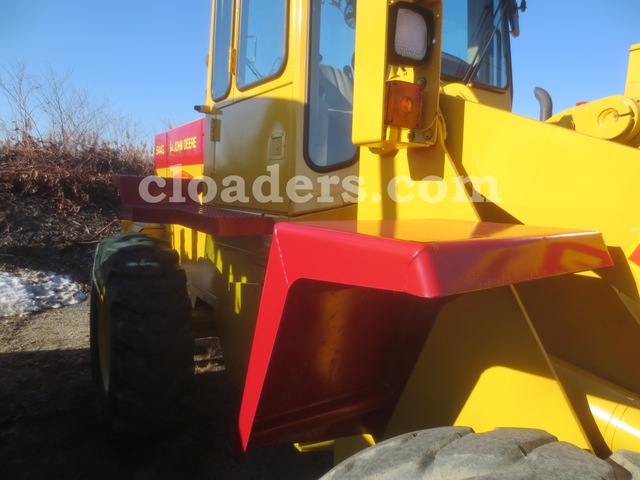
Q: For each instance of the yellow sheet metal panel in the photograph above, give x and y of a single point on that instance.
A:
(184, 171)
(583, 321)
(242, 159)
(413, 183)
(237, 314)
(483, 366)
(502, 395)
(188, 242)
(545, 174)
(632, 88)
(231, 272)
(370, 75)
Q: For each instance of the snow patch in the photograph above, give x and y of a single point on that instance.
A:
(26, 292)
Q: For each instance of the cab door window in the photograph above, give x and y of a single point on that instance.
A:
(223, 35)
(330, 102)
(262, 41)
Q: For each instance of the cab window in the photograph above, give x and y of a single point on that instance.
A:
(475, 44)
(223, 28)
(330, 95)
(262, 41)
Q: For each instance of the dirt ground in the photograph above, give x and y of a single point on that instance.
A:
(48, 428)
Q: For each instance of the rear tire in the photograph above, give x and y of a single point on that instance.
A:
(454, 453)
(141, 340)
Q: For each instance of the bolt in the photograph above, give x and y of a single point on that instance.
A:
(422, 82)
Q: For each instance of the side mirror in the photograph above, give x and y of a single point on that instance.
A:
(514, 16)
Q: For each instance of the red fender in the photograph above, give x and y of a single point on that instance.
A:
(346, 307)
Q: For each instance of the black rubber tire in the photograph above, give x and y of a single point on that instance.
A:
(141, 340)
(454, 453)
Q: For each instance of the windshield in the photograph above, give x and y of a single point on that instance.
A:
(475, 43)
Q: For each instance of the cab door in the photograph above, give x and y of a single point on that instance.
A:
(252, 88)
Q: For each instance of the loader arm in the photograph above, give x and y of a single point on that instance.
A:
(341, 342)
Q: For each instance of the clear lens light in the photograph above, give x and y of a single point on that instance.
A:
(411, 35)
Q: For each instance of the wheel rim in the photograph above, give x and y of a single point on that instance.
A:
(104, 342)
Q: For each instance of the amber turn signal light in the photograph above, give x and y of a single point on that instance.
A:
(404, 104)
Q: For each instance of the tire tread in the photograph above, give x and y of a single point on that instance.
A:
(457, 453)
(152, 343)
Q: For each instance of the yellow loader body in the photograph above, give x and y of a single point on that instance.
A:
(555, 349)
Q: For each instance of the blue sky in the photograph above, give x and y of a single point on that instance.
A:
(576, 49)
(147, 56)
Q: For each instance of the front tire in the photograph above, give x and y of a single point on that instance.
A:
(141, 339)
(456, 453)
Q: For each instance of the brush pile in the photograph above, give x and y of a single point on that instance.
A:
(56, 204)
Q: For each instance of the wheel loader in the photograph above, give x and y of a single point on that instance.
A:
(397, 266)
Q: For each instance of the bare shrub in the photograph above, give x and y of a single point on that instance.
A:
(50, 110)
(20, 89)
(58, 144)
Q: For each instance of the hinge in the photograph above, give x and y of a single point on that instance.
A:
(232, 61)
(214, 131)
